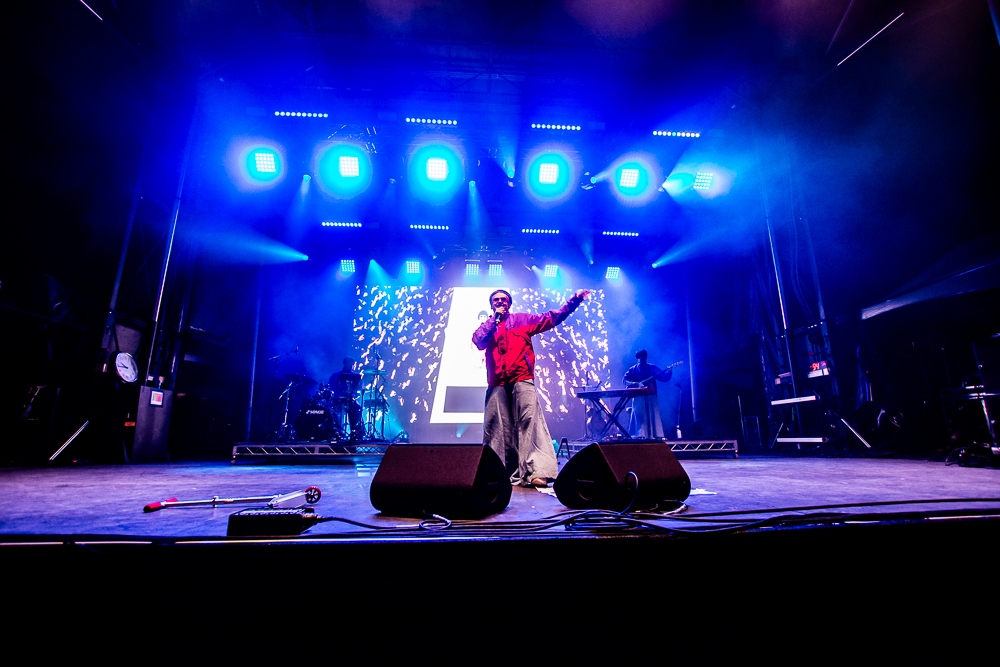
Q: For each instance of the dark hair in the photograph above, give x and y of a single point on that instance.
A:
(641, 355)
(501, 291)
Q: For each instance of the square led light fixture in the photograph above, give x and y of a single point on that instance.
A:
(265, 163)
(412, 266)
(437, 169)
(613, 273)
(472, 268)
(629, 179)
(551, 270)
(703, 180)
(347, 266)
(496, 269)
(349, 166)
(548, 173)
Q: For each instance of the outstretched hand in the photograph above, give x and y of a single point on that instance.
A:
(582, 294)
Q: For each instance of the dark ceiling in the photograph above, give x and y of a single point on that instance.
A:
(890, 154)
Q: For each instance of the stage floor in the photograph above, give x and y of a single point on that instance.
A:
(108, 500)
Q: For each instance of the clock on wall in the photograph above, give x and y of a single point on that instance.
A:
(126, 367)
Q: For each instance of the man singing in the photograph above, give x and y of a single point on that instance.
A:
(513, 424)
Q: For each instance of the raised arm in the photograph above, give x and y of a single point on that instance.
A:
(540, 323)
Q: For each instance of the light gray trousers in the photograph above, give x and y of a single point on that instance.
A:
(514, 427)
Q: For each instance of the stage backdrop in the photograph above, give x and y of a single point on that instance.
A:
(434, 377)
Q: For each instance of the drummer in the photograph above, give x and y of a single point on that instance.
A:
(345, 385)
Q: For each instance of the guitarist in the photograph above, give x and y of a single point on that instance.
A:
(645, 422)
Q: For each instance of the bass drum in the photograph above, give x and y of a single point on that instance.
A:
(314, 422)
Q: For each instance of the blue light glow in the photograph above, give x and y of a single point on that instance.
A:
(347, 266)
(613, 273)
(496, 269)
(551, 270)
(412, 267)
(255, 163)
(552, 171)
(636, 179)
(436, 169)
(343, 170)
(472, 268)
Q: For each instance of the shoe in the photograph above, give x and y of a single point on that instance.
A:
(539, 481)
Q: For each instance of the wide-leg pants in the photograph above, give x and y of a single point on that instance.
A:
(514, 427)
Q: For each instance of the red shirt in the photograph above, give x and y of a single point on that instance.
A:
(509, 355)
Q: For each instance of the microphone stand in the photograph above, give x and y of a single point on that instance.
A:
(281, 430)
(680, 404)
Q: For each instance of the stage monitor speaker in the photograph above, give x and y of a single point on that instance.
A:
(455, 481)
(597, 477)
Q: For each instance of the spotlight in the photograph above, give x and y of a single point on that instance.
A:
(471, 267)
(432, 121)
(629, 178)
(551, 270)
(412, 266)
(496, 268)
(343, 170)
(338, 223)
(702, 180)
(437, 169)
(433, 227)
(302, 114)
(535, 230)
(613, 273)
(611, 233)
(347, 266)
(548, 173)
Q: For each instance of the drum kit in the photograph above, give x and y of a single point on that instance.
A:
(351, 407)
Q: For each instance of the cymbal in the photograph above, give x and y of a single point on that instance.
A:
(299, 379)
(372, 371)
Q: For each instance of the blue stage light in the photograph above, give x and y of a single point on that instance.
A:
(496, 268)
(347, 266)
(255, 163)
(636, 179)
(551, 270)
(432, 227)
(472, 268)
(343, 170)
(552, 174)
(338, 223)
(412, 267)
(613, 273)
(536, 230)
(436, 170)
(702, 180)
(608, 233)
(349, 166)
(629, 178)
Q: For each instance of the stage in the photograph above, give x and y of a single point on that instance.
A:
(808, 533)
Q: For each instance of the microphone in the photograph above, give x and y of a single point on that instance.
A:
(497, 317)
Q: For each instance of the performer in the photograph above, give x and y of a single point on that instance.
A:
(513, 424)
(646, 409)
(345, 385)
